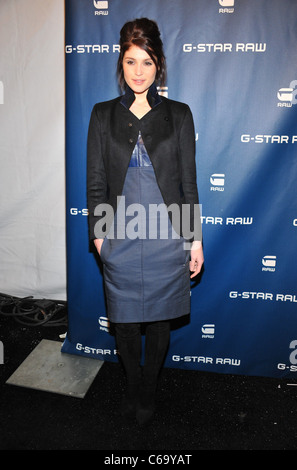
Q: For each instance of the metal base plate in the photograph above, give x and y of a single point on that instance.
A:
(48, 369)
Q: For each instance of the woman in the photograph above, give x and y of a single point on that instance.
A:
(141, 157)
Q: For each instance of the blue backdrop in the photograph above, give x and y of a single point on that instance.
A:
(234, 63)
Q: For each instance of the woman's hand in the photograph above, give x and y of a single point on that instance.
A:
(197, 258)
(98, 243)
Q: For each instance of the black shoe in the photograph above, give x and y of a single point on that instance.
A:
(130, 402)
(147, 406)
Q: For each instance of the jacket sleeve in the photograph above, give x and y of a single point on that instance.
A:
(187, 146)
(96, 176)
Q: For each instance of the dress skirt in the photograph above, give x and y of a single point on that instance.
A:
(145, 263)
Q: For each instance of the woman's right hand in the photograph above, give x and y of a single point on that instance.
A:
(98, 243)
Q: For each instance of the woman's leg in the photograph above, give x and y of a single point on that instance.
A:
(157, 338)
(128, 338)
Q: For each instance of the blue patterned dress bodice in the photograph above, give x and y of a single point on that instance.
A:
(139, 157)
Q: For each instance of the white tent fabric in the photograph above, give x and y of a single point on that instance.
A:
(32, 148)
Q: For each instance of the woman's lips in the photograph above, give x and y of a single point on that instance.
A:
(138, 82)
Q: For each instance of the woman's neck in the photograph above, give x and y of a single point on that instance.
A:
(140, 105)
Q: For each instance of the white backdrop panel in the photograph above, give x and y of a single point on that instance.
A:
(32, 205)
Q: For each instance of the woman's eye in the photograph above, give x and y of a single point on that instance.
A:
(148, 63)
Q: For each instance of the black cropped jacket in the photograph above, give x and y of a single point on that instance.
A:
(168, 135)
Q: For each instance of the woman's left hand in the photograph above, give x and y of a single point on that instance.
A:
(197, 258)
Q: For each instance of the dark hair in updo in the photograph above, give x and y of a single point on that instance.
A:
(145, 34)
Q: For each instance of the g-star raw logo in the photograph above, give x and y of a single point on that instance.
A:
(287, 96)
(269, 263)
(208, 331)
(104, 324)
(101, 7)
(226, 4)
(163, 91)
(217, 182)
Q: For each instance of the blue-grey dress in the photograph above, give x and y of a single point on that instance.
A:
(145, 263)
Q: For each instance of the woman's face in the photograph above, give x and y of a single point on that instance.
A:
(139, 69)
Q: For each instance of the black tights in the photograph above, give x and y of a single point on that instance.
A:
(128, 336)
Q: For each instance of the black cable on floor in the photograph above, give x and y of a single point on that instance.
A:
(34, 312)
